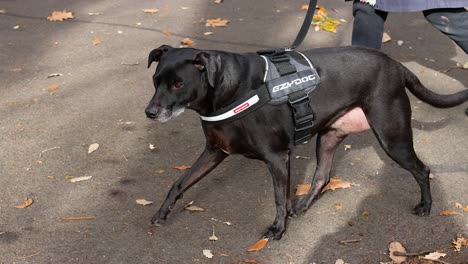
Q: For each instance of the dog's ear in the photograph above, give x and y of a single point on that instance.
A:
(210, 63)
(156, 54)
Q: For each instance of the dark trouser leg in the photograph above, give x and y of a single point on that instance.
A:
(368, 25)
(453, 22)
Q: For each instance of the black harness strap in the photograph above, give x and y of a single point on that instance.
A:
(305, 25)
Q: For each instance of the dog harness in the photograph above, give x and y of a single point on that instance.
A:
(286, 80)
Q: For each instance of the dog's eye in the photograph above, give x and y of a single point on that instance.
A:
(178, 85)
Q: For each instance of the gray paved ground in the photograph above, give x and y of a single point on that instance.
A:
(98, 96)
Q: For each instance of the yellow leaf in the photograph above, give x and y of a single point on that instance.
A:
(188, 42)
(259, 245)
(60, 15)
(447, 212)
(336, 183)
(79, 218)
(365, 213)
(181, 167)
(338, 206)
(151, 10)
(96, 41)
(218, 22)
(465, 209)
(321, 10)
(27, 203)
(52, 88)
(458, 205)
(302, 189)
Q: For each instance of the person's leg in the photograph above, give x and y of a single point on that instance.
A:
(453, 22)
(368, 25)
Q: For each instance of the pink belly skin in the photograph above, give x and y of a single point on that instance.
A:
(353, 121)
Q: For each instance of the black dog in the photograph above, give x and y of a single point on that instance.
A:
(359, 88)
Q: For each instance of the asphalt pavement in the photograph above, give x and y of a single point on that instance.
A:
(103, 86)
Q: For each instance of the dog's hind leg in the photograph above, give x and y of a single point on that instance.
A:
(207, 161)
(278, 165)
(327, 143)
(391, 123)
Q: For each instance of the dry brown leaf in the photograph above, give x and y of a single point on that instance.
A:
(250, 261)
(27, 203)
(151, 10)
(96, 41)
(2, 11)
(338, 206)
(143, 202)
(336, 183)
(208, 253)
(460, 242)
(218, 1)
(458, 205)
(259, 245)
(434, 256)
(60, 15)
(302, 189)
(448, 212)
(167, 33)
(194, 208)
(52, 88)
(181, 167)
(321, 11)
(187, 41)
(82, 178)
(365, 213)
(465, 209)
(218, 22)
(386, 37)
(394, 247)
(305, 7)
(161, 171)
(93, 147)
(71, 218)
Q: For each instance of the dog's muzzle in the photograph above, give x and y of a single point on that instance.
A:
(163, 114)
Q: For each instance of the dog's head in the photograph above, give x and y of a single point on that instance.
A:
(183, 78)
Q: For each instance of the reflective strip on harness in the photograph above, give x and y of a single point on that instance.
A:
(236, 110)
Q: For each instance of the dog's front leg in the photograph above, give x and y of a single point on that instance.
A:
(207, 161)
(278, 164)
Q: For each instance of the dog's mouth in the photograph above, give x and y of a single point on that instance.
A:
(164, 114)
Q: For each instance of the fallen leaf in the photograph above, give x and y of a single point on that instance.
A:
(218, 22)
(336, 183)
(151, 10)
(218, 1)
(458, 205)
(338, 206)
(188, 42)
(448, 212)
(346, 147)
(400, 42)
(27, 203)
(93, 14)
(302, 189)
(79, 179)
(305, 7)
(167, 33)
(434, 256)
(60, 15)
(259, 245)
(17, 27)
(151, 146)
(208, 253)
(213, 237)
(52, 88)
(194, 208)
(365, 213)
(460, 242)
(394, 247)
(465, 66)
(96, 41)
(181, 167)
(143, 202)
(386, 37)
(254, 261)
(339, 261)
(465, 209)
(78, 218)
(93, 147)
(208, 33)
(2, 11)
(54, 75)
(161, 171)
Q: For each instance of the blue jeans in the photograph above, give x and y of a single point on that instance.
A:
(369, 24)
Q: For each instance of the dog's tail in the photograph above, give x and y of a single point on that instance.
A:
(434, 99)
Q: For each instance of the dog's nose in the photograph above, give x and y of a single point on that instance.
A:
(150, 115)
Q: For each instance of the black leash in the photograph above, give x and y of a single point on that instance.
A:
(305, 25)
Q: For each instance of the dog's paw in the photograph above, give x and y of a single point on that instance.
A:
(274, 232)
(298, 210)
(422, 209)
(157, 219)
